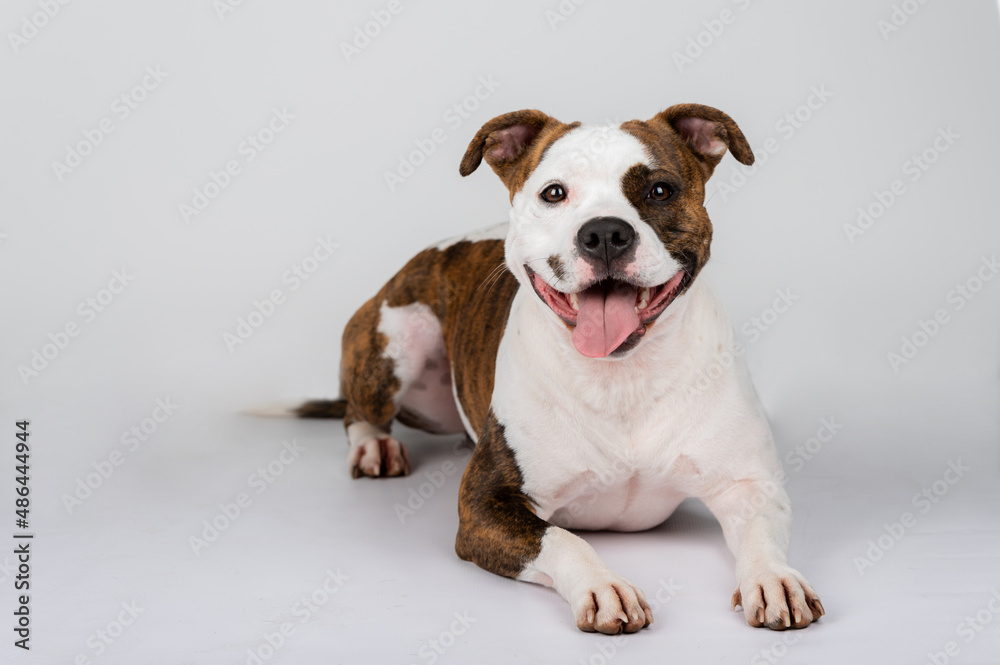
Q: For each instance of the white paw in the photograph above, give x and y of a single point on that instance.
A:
(778, 597)
(378, 455)
(611, 605)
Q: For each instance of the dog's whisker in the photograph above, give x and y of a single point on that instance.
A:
(492, 277)
(499, 274)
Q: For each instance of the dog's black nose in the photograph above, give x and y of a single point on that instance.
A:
(605, 238)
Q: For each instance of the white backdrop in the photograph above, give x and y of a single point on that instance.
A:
(166, 168)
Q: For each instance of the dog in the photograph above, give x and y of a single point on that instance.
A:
(568, 344)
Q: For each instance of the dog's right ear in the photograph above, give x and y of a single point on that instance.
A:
(512, 145)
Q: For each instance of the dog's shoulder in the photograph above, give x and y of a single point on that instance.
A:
(448, 275)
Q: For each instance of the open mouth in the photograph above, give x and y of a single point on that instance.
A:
(610, 315)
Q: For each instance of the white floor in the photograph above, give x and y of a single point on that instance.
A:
(395, 591)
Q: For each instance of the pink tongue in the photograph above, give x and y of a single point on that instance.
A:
(605, 320)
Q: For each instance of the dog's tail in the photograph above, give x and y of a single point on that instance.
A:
(315, 408)
(322, 408)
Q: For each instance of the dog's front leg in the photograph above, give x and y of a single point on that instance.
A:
(756, 518)
(499, 531)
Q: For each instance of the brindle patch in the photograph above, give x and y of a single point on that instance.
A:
(557, 267)
(497, 527)
(681, 222)
(367, 381)
(469, 291)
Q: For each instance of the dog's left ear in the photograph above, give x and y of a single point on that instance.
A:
(708, 132)
(512, 144)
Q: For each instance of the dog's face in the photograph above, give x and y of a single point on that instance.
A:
(608, 224)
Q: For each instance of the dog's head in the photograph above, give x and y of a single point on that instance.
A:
(608, 223)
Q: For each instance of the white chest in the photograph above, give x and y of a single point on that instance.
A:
(618, 444)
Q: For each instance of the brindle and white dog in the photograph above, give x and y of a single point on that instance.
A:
(569, 346)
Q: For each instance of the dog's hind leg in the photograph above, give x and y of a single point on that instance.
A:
(370, 386)
(394, 366)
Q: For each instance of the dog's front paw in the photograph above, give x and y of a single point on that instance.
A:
(779, 598)
(378, 455)
(610, 605)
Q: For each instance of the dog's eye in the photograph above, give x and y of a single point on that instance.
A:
(659, 192)
(553, 193)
